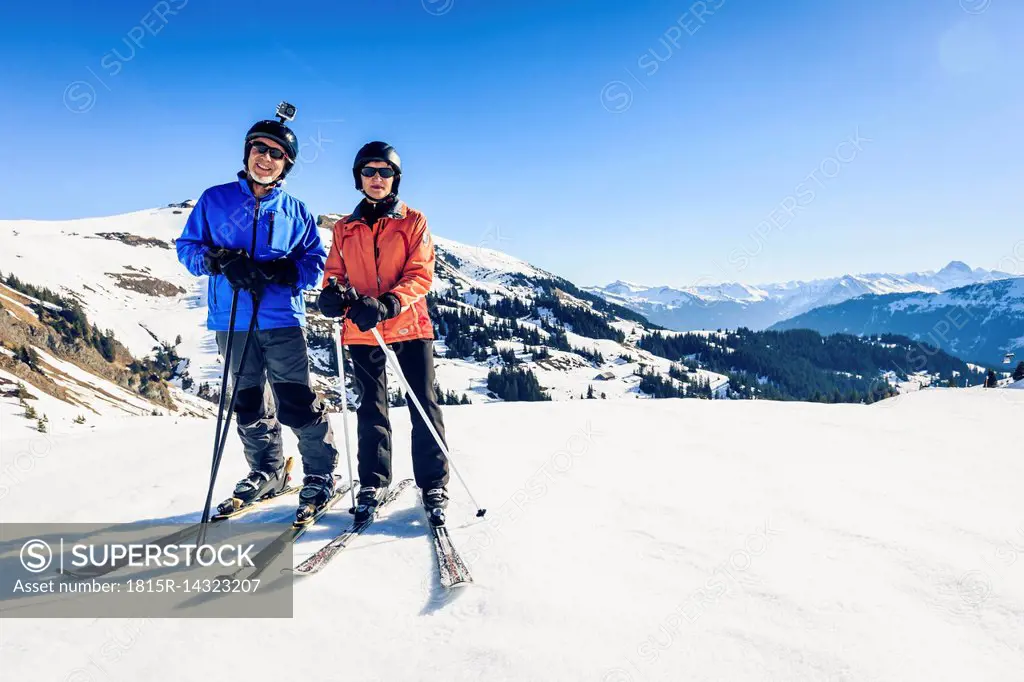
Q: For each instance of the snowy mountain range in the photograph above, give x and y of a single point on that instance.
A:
(978, 322)
(733, 305)
(506, 330)
(124, 272)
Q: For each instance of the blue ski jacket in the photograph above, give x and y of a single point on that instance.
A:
(275, 226)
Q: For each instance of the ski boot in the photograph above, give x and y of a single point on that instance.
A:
(256, 486)
(317, 491)
(367, 500)
(435, 502)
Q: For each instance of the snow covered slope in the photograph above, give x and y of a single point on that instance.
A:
(122, 268)
(626, 541)
(733, 305)
(55, 393)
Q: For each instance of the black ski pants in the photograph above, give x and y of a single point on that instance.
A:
(274, 389)
(416, 358)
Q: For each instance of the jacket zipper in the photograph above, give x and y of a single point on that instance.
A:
(255, 227)
(252, 254)
(376, 251)
(270, 232)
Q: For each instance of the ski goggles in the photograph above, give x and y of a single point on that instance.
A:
(274, 152)
(370, 171)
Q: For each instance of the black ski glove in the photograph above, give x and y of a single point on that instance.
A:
(214, 257)
(242, 272)
(282, 271)
(368, 312)
(334, 300)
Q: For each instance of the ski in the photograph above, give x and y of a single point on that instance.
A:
(236, 507)
(287, 538)
(452, 569)
(178, 536)
(244, 509)
(316, 561)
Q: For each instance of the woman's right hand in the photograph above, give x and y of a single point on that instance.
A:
(334, 300)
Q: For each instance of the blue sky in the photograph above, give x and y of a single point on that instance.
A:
(660, 142)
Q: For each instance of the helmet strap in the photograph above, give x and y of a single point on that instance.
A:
(279, 180)
(391, 197)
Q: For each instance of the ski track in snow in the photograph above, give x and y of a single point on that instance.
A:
(625, 541)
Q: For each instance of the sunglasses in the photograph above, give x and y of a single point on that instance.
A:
(370, 171)
(274, 152)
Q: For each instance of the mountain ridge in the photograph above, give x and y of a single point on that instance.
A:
(978, 323)
(733, 304)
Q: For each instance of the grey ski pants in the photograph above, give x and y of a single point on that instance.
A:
(275, 389)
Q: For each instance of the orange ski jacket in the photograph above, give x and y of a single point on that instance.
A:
(396, 255)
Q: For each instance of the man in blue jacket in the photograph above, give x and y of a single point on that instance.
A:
(252, 237)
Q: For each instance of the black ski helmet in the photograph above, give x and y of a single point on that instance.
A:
(377, 151)
(279, 133)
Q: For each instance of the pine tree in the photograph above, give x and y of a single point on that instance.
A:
(514, 383)
(590, 391)
(991, 381)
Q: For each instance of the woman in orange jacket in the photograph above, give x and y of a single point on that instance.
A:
(384, 251)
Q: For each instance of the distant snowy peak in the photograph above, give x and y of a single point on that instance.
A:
(622, 288)
(732, 292)
(851, 286)
(670, 297)
(998, 298)
(733, 304)
(978, 322)
(955, 274)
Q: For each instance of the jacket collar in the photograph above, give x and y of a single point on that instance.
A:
(243, 183)
(397, 211)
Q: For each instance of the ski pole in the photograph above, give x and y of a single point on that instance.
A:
(440, 443)
(224, 379)
(218, 451)
(343, 389)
